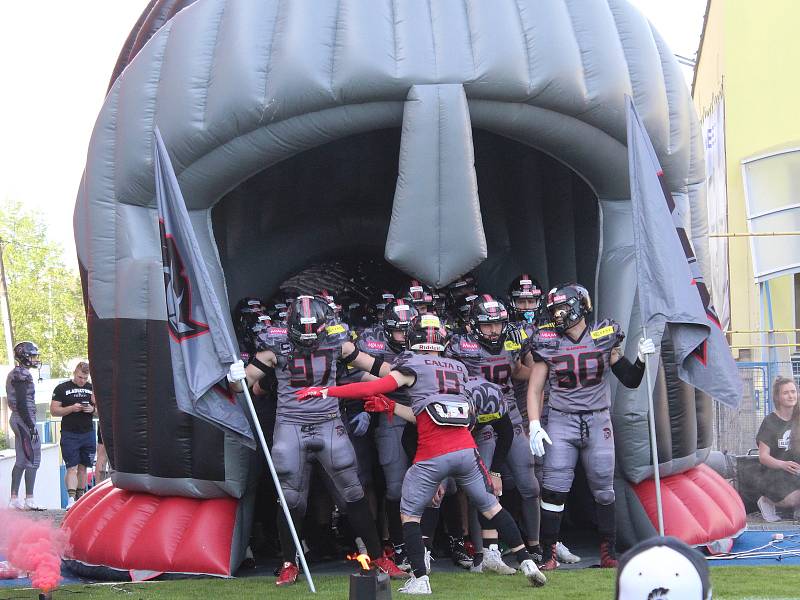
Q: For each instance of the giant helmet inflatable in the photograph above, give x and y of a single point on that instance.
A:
(443, 136)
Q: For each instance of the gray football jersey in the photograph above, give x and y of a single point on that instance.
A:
(295, 370)
(496, 368)
(579, 370)
(436, 376)
(16, 376)
(373, 341)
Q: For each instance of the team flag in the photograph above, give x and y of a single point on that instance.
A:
(200, 346)
(672, 292)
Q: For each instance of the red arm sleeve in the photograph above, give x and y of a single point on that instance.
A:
(384, 385)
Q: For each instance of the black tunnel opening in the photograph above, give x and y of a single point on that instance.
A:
(320, 219)
(333, 203)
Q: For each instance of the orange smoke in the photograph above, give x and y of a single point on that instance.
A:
(33, 546)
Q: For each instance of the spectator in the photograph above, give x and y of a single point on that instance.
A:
(779, 452)
(73, 401)
(660, 568)
(101, 465)
(22, 403)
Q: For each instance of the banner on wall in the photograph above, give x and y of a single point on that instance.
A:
(713, 127)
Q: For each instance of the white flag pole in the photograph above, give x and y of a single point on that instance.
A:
(277, 483)
(653, 440)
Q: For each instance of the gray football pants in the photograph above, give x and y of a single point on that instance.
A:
(296, 445)
(464, 466)
(587, 437)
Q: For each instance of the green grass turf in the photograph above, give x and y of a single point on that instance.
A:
(730, 583)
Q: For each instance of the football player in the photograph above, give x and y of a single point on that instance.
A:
(420, 296)
(308, 356)
(21, 393)
(526, 312)
(576, 358)
(386, 341)
(488, 352)
(443, 414)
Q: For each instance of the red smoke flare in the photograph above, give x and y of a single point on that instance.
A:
(33, 546)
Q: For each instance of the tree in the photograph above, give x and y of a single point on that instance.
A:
(44, 295)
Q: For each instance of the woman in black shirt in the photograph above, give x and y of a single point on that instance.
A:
(779, 452)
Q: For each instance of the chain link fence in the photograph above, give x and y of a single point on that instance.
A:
(735, 430)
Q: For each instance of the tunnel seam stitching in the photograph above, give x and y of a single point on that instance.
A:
(524, 32)
(469, 40)
(439, 185)
(333, 45)
(207, 86)
(394, 36)
(268, 69)
(433, 41)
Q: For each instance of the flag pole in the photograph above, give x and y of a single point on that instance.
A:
(653, 440)
(277, 483)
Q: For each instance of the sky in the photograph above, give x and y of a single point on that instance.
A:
(56, 57)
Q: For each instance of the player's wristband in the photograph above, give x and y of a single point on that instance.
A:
(376, 366)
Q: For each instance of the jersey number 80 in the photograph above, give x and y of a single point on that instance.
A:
(589, 372)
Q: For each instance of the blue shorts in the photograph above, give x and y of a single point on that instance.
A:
(78, 448)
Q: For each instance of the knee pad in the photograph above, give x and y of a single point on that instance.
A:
(553, 501)
(604, 497)
(294, 500)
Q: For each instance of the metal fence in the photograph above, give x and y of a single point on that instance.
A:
(735, 430)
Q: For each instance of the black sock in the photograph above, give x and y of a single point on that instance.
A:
(288, 549)
(393, 520)
(364, 526)
(550, 527)
(504, 523)
(477, 558)
(72, 493)
(412, 534)
(488, 541)
(430, 521)
(606, 522)
(79, 492)
(522, 554)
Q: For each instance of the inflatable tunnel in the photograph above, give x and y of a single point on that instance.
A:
(435, 137)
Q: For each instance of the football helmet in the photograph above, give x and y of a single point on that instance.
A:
(567, 305)
(397, 317)
(524, 287)
(426, 333)
(27, 354)
(486, 309)
(307, 318)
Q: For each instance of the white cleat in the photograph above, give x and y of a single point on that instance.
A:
(15, 504)
(493, 562)
(70, 502)
(532, 573)
(30, 504)
(428, 559)
(416, 586)
(564, 556)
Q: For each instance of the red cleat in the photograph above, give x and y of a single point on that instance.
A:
(288, 574)
(387, 566)
(608, 555)
(549, 562)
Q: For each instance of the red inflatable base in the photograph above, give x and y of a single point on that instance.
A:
(134, 531)
(700, 507)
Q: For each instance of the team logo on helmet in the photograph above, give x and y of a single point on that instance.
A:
(178, 292)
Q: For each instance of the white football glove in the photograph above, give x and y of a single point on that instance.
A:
(646, 346)
(236, 372)
(538, 437)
